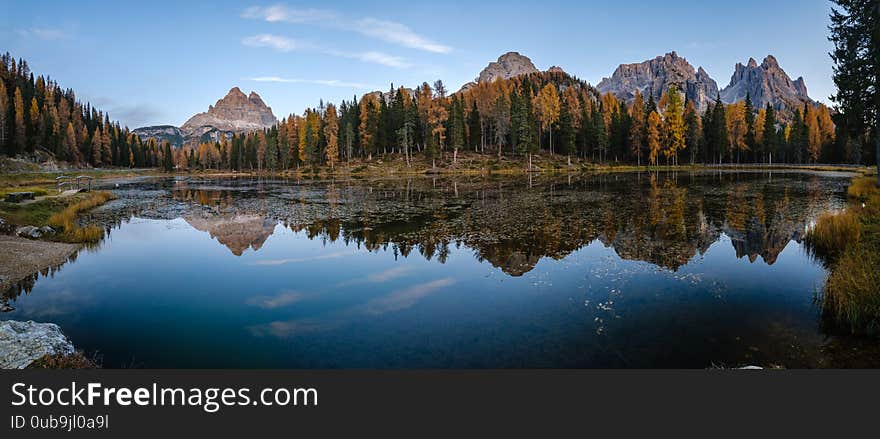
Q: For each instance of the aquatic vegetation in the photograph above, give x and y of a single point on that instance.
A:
(65, 220)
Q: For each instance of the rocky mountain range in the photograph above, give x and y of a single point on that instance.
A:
(765, 84)
(162, 133)
(508, 65)
(654, 76)
(234, 113)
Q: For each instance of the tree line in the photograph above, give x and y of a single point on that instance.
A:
(546, 112)
(36, 114)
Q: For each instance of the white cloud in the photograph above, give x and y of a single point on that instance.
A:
(272, 41)
(373, 57)
(397, 33)
(44, 33)
(280, 13)
(284, 44)
(388, 31)
(327, 82)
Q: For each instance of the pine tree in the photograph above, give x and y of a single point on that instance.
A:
(566, 130)
(20, 138)
(768, 141)
(4, 118)
(854, 32)
(652, 137)
(331, 134)
(693, 131)
(637, 127)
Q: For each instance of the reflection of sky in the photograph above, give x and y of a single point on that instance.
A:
(160, 293)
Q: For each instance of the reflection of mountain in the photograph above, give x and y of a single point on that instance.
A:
(512, 223)
(236, 232)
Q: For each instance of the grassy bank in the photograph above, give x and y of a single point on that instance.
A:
(849, 243)
(472, 163)
(59, 212)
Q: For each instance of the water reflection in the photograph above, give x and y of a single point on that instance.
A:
(616, 270)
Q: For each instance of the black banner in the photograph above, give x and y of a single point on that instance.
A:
(451, 403)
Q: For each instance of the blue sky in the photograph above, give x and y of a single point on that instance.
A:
(160, 62)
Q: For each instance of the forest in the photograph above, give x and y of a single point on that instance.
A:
(548, 113)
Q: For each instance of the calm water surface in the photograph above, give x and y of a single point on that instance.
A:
(620, 270)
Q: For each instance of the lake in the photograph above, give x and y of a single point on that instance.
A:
(689, 270)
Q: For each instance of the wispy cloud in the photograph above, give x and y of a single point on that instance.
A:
(327, 82)
(284, 44)
(384, 30)
(373, 57)
(273, 42)
(44, 33)
(281, 13)
(399, 34)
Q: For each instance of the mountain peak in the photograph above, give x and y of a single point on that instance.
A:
(752, 62)
(765, 84)
(770, 61)
(234, 113)
(509, 65)
(654, 76)
(234, 92)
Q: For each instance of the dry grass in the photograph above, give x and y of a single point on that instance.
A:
(76, 360)
(65, 220)
(849, 242)
(852, 292)
(861, 188)
(833, 233)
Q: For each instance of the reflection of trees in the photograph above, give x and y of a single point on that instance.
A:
(513, 225)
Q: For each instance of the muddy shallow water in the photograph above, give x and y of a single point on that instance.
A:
(619, 270)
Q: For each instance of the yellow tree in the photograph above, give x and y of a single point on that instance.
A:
(547, 106)
(369, 123)
(652, 136)
(814, 139)
(96, 147)
(736, 128)
(4, 109)
(674, 129)
(331, 135)
(759, 126)
(20, 132)
(34, 114)
(637, 126)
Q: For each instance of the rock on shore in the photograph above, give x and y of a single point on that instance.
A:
(21, 343)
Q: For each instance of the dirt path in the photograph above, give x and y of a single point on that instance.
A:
(22, 257)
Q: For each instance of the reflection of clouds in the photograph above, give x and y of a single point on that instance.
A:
(282, 329)
(384, 276)
(406, 298)
(52, 305)
(394, 301)
(271, 302)
(299, 260)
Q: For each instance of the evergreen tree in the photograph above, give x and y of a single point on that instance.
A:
(855, 32)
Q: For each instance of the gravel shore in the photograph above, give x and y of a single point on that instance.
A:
(22, 257)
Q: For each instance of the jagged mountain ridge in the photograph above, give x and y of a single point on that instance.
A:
(235, 112)
(162, 133)
(654, 76)
(765, 84)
